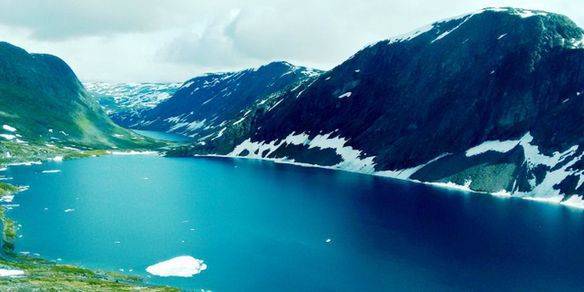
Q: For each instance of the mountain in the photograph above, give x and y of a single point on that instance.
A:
(490, 101)
(124, 102)
(205, 104)
(43, 103)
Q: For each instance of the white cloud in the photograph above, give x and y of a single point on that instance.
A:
(172, 40)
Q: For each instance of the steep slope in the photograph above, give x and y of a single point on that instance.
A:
(42, 101)
(125, 102)
(204, 104)
(491, 101)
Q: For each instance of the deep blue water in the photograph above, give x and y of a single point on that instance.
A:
(263, 226)
(163, 136)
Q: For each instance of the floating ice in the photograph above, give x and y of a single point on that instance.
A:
(51, 171)
(182, 266)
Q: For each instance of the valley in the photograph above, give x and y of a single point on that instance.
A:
(361, 177)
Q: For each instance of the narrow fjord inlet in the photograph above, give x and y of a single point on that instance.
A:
(450, 158)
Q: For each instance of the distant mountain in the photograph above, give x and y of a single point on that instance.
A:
(42, 102)
(206, 104)
(490, 101)
(124, 102)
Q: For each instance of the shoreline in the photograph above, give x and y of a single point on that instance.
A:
(26, 263)
(26, 272)
(572, 202)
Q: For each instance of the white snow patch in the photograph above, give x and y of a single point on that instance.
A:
(574, 201)
(496, 145)
(408, 172)
(182, 266)
(444, 34)
(352, 159)
(9, 128)
(502, 194)
(278, 102)
(11, 273)
(7, 136)
(346, 94)
(58, 158)
(451, 185)
(7, 199)
(220, 134)
(411, 35)
(502, 36)
(553, 199)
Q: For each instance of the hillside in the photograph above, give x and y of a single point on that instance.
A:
(490, 101)
(125, 102)
(205, 104)
(44, 106)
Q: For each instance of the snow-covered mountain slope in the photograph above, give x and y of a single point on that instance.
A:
(205, 104)
(491, 101)
(124, 102)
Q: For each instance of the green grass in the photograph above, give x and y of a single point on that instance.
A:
(7, 189)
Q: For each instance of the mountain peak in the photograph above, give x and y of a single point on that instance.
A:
(544, 27)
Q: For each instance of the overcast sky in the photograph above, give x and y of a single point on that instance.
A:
(173, 40)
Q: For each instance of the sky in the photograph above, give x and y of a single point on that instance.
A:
(174, 40)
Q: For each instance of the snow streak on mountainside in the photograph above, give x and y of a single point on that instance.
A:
(490, 101)
(124, 102)
(205, 105)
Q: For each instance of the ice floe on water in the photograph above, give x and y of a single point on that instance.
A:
(51, 171)
(11, 273)
(69, 210)
(182, 266)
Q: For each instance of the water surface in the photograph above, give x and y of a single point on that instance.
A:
(264, 226)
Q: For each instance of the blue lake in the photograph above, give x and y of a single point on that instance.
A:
(264, 226)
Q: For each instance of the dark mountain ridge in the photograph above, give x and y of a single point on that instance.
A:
(205, 104)
(505, 82)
